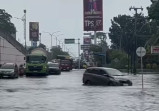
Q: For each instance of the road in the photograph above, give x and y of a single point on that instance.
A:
(66, 92)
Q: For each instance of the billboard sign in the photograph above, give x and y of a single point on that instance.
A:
(85, 47)
(34, 31)
(93, 15)
(87, 40)
(154, 49)
(69, 41)
(34, 43)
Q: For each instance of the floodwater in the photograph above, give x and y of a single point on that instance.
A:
(66, 92)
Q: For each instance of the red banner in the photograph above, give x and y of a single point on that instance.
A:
(34, 31)
(93, 15)
(87, 40)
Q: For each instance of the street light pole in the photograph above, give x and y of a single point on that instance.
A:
(24, 20)
(56, 38)
(51, 34)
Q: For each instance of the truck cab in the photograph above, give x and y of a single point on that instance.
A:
(36, 64)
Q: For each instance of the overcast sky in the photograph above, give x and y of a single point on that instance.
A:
(65, 16)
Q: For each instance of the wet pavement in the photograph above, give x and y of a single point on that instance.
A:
(66, 92)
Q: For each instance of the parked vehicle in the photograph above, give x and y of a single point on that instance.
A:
(65, 65)
(105, 76)
(54, 68)
(36, 63)
(66, 62)
(9, 70)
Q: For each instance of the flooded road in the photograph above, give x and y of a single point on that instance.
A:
(66, 92)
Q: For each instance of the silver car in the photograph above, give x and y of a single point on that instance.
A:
(54, 68)
(9, 70)
(105, 76)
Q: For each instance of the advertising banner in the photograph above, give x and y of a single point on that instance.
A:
(85, 47)
(93, 15)
(154, 49)
(87, 40)
(34, 31)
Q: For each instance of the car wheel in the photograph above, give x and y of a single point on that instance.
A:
(129, 83)
(12, 77)
(59, 72)
(88, 82)
(16, 76)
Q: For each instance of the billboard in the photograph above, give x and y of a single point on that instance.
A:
(87, 40)
(85, 47)
(93, 15)
(34, 31)
(154, 49)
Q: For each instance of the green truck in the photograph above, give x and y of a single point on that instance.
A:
(36, 63)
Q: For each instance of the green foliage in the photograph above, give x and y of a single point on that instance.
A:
(123, 29)
(148, 66)
(96, 49)
(119, 59)
(153, 11)
(57, 51)
(154, 66)
(5, 23)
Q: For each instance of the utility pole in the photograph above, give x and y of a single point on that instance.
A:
(78, 53)
(135, 39)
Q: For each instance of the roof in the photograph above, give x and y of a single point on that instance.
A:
(14, 42)
(99, 68)
(39, 51)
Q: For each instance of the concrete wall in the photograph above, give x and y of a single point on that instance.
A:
(8, 53)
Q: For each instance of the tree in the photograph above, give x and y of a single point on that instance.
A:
(57, 51)
(118, 59)
(95, 49)
(122, 31)
(153, 11)
(5, 23)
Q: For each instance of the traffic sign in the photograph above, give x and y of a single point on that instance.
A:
(69, 41)
(141, 51)
(87, 33)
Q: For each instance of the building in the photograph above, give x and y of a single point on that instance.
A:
(11, 50)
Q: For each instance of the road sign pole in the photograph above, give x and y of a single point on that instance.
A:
(141, 51)
(142, 74)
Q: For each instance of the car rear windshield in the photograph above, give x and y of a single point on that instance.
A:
(114, 72)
